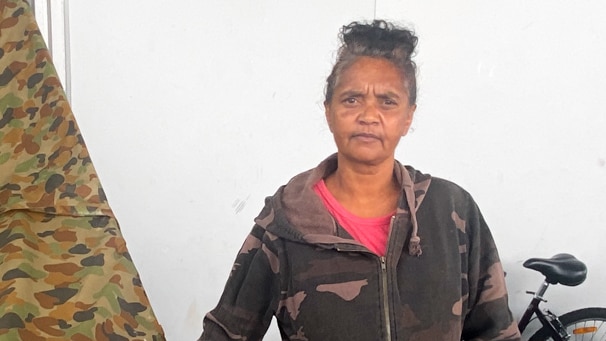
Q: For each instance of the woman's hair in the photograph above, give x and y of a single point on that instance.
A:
(378, 39)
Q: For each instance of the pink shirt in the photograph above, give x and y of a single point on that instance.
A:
(371, 232)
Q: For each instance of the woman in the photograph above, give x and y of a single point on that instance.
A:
(361, 247)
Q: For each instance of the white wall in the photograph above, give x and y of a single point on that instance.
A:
(194, 111)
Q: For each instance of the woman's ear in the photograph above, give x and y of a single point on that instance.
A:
(410, 112)
(328, 115)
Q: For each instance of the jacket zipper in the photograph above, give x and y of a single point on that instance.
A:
(385, 285)
(385, 299)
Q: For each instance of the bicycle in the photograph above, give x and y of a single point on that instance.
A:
(581, 324)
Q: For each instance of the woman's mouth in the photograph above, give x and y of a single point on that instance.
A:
(366, 137)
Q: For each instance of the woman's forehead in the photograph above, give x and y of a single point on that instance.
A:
(365, 71)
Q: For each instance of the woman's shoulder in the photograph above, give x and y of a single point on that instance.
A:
(437, 185)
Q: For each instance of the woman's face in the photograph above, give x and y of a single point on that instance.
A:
(369, 111)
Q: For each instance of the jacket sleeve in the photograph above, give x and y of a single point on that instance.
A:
(488, 316)
(248, 302)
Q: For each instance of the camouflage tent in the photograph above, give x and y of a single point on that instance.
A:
(66, 273)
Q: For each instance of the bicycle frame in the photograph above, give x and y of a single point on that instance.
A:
(548, 319)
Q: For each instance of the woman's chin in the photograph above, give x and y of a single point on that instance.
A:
(367, 158)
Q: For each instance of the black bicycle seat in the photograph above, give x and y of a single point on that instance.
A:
(562, 268)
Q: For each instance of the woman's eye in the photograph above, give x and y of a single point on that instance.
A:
(389, 102)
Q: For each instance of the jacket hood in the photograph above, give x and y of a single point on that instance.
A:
(296, 212)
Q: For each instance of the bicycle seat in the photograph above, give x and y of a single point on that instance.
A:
(562, 268)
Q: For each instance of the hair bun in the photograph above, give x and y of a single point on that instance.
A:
(379, 36)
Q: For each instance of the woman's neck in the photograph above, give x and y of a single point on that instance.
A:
(366, 191)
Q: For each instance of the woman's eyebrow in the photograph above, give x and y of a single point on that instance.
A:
(351, 93)
(387, 94)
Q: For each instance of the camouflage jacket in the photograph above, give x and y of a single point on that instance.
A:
(298, 265)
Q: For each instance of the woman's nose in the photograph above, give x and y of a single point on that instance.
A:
(370, 114)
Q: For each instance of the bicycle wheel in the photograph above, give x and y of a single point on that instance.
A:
(582, 324)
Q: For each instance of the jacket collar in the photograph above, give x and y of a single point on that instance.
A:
(297, 213)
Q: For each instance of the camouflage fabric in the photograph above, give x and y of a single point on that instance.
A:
(300, 266)
(66, 273)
